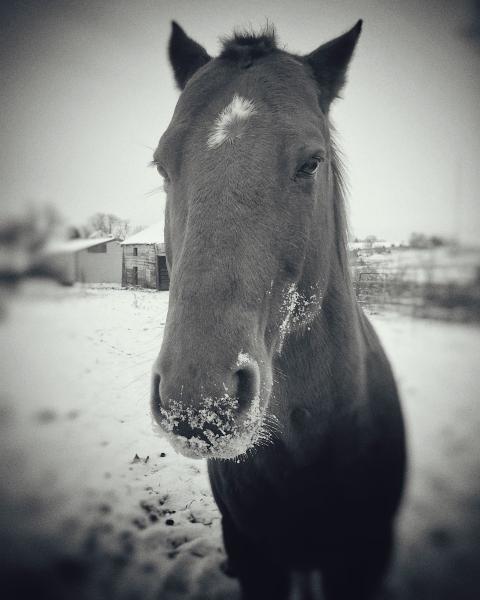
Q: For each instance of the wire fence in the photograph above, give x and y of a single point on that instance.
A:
(440, 291)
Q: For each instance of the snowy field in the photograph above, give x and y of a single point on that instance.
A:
(94, 505)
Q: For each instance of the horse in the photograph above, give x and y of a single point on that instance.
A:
(268, 367)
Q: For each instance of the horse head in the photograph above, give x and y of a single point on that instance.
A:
(250, 229)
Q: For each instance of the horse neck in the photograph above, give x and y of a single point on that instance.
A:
(340, 315)
(328, 354)
(338, 319)
(321, 371)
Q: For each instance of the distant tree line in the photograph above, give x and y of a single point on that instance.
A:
(22, 238)
(421, 241)
(103, 225)
(30, 229)
(416, 240)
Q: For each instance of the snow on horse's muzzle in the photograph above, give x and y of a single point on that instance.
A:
(221, 423)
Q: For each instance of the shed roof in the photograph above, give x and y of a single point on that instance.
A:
(72, 246)
(150, 235)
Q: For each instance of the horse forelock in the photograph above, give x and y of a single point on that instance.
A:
(244, 46)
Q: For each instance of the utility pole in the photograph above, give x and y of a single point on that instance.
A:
(457, 202)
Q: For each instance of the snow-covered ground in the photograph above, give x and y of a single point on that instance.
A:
(94, 505)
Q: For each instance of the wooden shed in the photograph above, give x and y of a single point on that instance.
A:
(144, 261)
(92, 260)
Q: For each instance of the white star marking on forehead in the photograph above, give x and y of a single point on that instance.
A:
(230, 122)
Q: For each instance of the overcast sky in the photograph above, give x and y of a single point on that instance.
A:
(87, 91)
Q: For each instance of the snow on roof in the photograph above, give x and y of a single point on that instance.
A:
(357, 245)
(71, 246)
(150, 235)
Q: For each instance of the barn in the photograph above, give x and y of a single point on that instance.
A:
(92, 260)
(144, 261)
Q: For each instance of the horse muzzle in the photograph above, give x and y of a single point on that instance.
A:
(216, 416)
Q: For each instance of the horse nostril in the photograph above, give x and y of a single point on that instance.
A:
(247, 380)
(183, 429)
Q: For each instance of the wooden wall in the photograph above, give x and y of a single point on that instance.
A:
(145, 263)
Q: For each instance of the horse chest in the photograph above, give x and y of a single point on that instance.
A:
(259, 497)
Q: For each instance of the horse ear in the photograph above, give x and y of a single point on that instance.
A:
(330, 62)
(186, 56)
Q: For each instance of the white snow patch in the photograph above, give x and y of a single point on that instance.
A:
(244, 360)
(298, 310)
(155, 234)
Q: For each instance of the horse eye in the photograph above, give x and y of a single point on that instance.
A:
(164, 175)
(162, 172)
(310, 167)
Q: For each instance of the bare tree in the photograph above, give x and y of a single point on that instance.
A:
(106, 224)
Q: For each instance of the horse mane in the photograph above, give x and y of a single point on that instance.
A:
(340, 208)
(244, 46)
